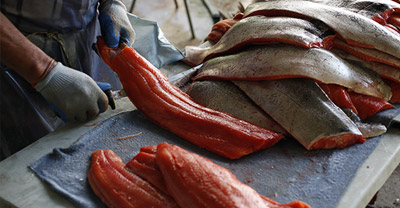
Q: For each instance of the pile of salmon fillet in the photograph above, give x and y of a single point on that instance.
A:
(312, 70)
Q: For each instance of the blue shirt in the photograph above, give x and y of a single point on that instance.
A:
(63, 16)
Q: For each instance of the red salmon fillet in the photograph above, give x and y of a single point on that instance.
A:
(194, 181)
(119, 188)
(368, 106)
(171, 108)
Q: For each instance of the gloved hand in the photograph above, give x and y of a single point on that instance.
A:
(73, 92)
(114, 23)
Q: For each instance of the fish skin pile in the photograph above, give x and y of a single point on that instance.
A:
(350, 48)
(169, 176)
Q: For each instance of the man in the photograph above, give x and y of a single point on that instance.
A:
(47, 59)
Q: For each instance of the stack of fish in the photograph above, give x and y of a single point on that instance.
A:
(313, 70)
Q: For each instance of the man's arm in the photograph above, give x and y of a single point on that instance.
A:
(73, 92)
(21, 55)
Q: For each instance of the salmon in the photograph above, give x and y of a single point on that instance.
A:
(288, 61)
(171, 108)
(262, 30)
(226, 97)
(118, 187)
(144, 165)
(368, 130)
(368, 106)
(383, 70)
(395, 20)
(395, 87)
(367, 54)
(305, 111)
(220, 28)
(338, 95)
(194, 181)
(354, 28)
(378, 10)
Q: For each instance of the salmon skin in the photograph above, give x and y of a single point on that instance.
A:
(354, 28)
(367, 54)
(305, 111)
(118, 187)
(226, 97)
(288, 61)
(169, 107)
(194, 181)
(383, 70)
(368, 130)
(378, 10)
(263, 30)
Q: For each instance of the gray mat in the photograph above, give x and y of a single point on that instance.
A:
(285, 172)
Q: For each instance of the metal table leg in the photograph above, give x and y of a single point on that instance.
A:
(190, 20)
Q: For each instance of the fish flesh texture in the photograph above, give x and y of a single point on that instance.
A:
(338, 95)
(304, 110)
(118, 187)
(144, 165)
(199, 180)
(220, 28)
(194, 181)
(226, 97)
(368, 106)
(395, 20)
(289, 61)
(262, 30)
(169, 107)
(354, 28)
(367, 54)
(395, 87)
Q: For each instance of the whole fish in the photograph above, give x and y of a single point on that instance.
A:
(354, 28)
(226, 97)
(263, 30)
(305, 111)
(288, 61)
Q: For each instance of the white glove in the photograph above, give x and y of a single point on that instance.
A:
(73, 92)
(114, 23)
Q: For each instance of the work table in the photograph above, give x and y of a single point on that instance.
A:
(20, 187)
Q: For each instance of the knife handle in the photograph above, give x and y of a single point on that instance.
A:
(106, 88)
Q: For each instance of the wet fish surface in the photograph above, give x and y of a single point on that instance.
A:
(302, 108)
(263, 30)
(288, 61)
(354, 28)
(226, 97)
